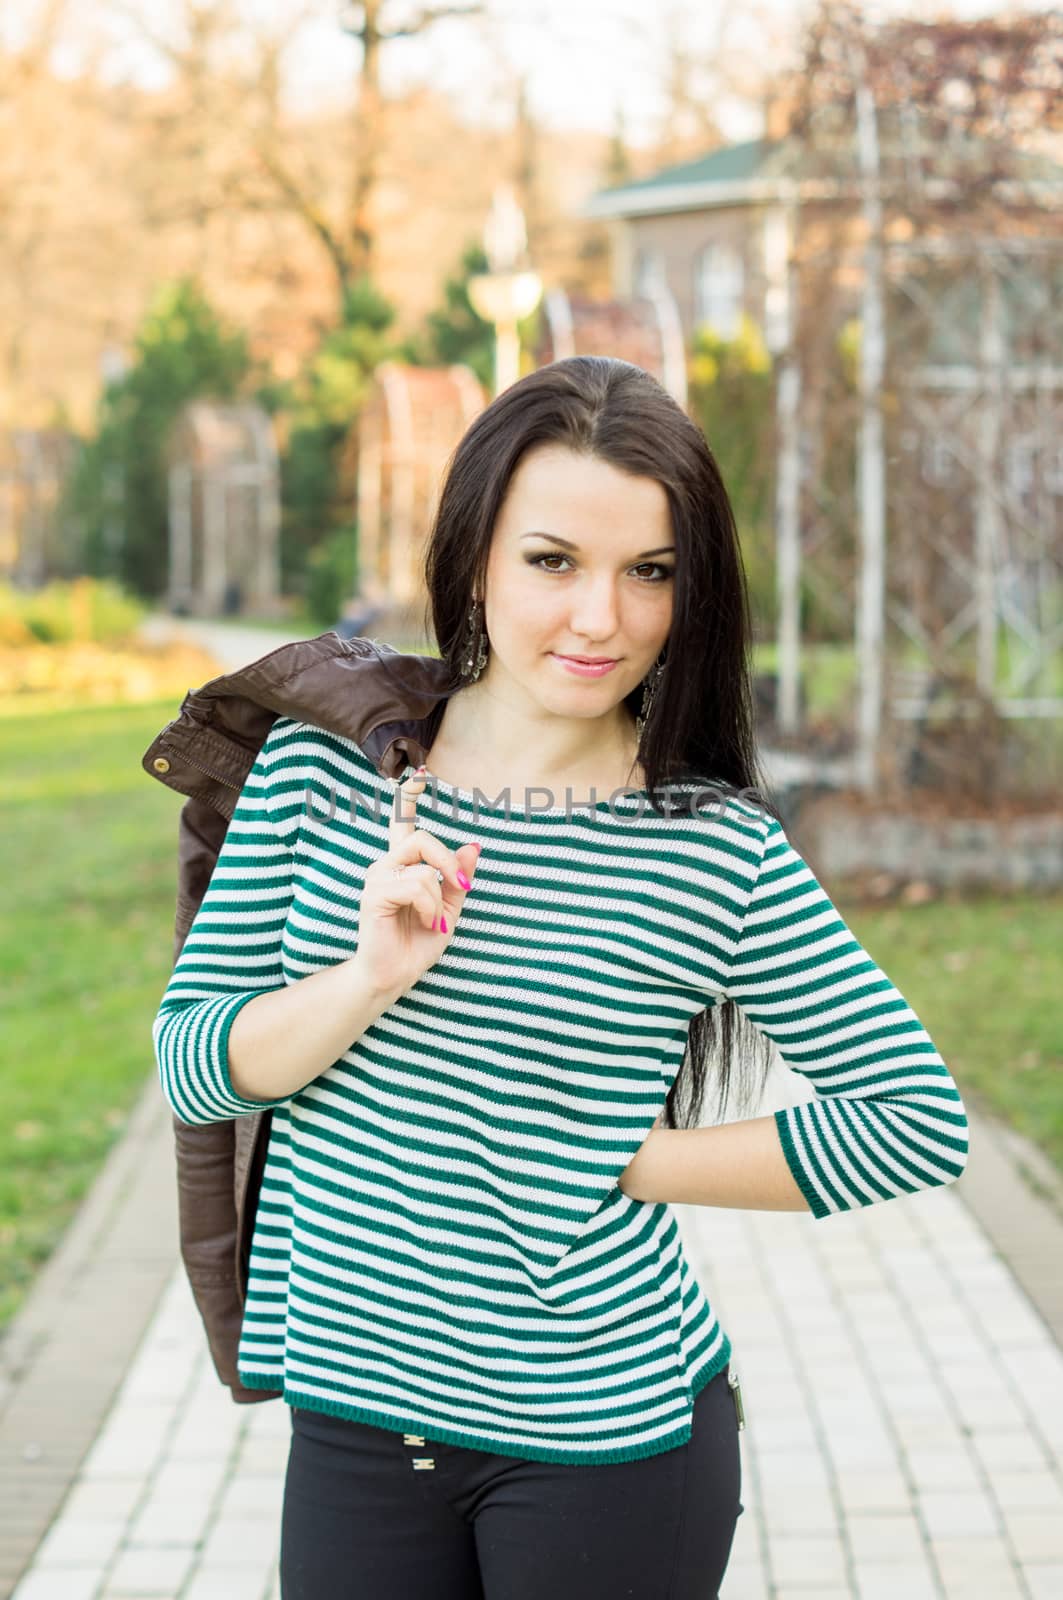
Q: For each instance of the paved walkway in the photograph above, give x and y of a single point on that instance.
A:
(233, 644)
(903, 1395)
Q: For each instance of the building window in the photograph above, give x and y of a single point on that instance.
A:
(719, 278)
(1020, 464)
(649, 270)
(939, 460)
(1053, 474)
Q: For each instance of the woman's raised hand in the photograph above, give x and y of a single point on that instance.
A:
(406, 922)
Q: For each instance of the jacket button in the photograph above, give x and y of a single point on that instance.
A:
(161, 764)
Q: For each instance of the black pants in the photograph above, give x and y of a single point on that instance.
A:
(360, 1522)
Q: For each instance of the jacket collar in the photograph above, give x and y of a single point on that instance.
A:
(382, 699)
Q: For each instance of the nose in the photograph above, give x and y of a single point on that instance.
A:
(595, 613)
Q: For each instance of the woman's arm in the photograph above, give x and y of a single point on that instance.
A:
(739, 1164)
(887, 1118)
(283, 1039)
(230, 1036)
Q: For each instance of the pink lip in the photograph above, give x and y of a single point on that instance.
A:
(587, 668)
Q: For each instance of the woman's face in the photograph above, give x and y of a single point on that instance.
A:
(582, 563)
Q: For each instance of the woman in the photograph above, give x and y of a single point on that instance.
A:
(476, 1014)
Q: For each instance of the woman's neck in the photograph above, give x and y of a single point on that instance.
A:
(482, 738)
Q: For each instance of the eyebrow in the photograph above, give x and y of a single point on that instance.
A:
(661, 550)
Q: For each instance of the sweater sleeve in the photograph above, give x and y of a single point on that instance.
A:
(231, 954)
(887, 1118)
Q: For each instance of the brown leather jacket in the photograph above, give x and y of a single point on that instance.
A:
(390, 704)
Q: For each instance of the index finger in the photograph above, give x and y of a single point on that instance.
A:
(403, 820)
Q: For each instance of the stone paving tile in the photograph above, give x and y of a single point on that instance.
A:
(159, 1570)
(891, 1580)
(236, 1542)
(995, 1586)
(1012, 1449)
(80, 1542)
(159, 1523)
(110, 1499)
(253, 1499)
(1045, 1582)
(960, 1513)
(1027, 1491)
(131, 1442)
(969, 1563)
(59, 1583)
(936, 1469)
(808, 1558)
(892, 1537)
(1034, 1535)
(179, 1481)
(226, 1583)
(804, 1592)
(801, 1510)
(879, 1491)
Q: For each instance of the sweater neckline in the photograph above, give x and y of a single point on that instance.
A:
(450, 792)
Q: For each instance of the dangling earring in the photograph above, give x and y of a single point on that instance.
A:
(474, 651)
(650, 689)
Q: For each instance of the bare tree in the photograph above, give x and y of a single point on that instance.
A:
(691, 127)
(226, 127)
(348, 234)
(365, 23)
(29, 160)
(696, 73)
(970, 95)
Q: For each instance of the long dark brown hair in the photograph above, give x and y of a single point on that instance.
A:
(701, 720)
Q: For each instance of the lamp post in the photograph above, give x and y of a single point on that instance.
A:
(509, 290)
(779, 319)
(114, 364)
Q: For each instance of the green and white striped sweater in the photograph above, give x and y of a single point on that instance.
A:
(440, 1244)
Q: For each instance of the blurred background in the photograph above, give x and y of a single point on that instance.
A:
(262, 264)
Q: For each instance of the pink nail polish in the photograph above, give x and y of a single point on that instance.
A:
(464, 881)
(442, 924)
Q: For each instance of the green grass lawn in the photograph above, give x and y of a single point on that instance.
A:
(89, 844)
(86, 942)
(983, 975)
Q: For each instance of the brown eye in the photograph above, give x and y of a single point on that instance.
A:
(551, 555)
(556, 555)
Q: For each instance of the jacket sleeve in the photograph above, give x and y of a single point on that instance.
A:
(887, 1118)
(231, 954)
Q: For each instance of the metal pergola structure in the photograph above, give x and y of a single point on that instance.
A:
(224, 510)
(411, 422)
(34, 466)
(994, 416)
(646, 330)
(921, 500)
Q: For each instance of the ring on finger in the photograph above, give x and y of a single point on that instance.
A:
(401, 868)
